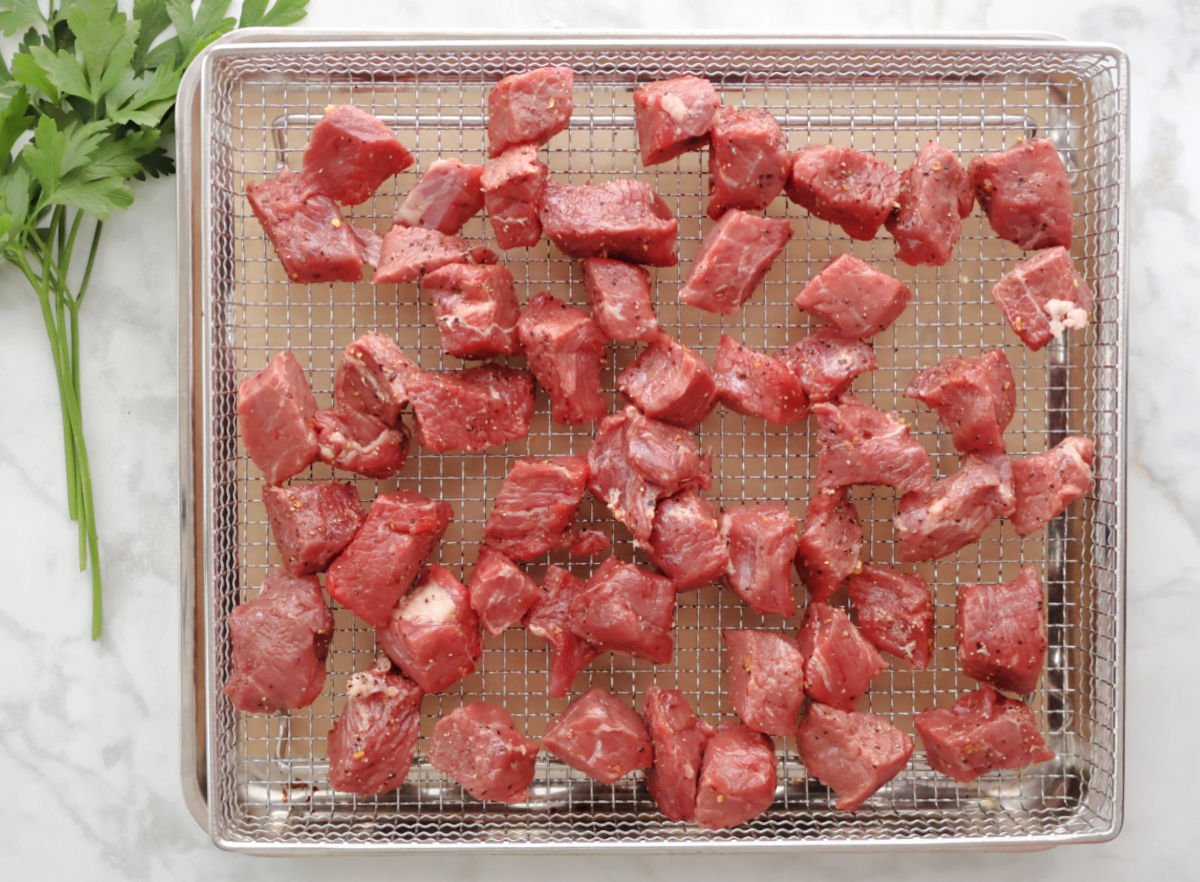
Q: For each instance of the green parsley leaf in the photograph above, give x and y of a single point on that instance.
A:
(154, 20)
(106, 39)
(99, 198)
(19, 15)
(144, 100)
(27, 71)
(283, 12)
(198, 30)
(15, 119)
(64, 70)
(15, 189)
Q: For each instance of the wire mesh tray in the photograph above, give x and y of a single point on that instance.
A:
(260, 783)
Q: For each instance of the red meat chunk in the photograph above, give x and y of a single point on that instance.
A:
(386, 554)
(565, 349)
(312, 523)
(358, 442)
(975, 398)
(409, 252)
(371, 745)
(626, 609)
(1043, 297)
(733, 258)
(748, 161)
(476, 309)
(955, 511)
(275, 409)
(619, 294)
(669, 382)
(895, 612)
(1002, 632)
(588, 543)
(371, 377)
(501, 592)
(678, 737)
(529, 108)
(857, 444)
(548, 619)
(854, 754)
(1026, 194)
(1046, 483)
(765, 680)
(854, 297)
(935, 195)
(623, 219)
(756, 384)
(535, 506)
(471, 409)
(601, 736)
(279, 644)
(686, 541)
(839, 664)
(448, 195)
(981, 732)
(478, 745)
(350, 153)
(830, 543)
(762, 544)
(827, 361)
(737, 778)
(673, 117)
(844, 186)
(513, 184)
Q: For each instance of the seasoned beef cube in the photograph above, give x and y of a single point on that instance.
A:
(471, 409)
(279, 643)
(854, 297)
(1046, 483)
(839, 663)
(433, 634)
(981, 732)
(733, 258)
(756, 384)
(358, 442)
(371, 377)
(529, 108)
(275, 409)
(535, 506)
(409, 252)
(588, 543)
(975, 398)
(673, 117)
(762, 544)
(501, 592)
(386, 554)
(669, 382)
(626, 609)
(748, 161)
(678, 737)
(830, 542)
(312, 523)
(350, 153)
(448, 195)
(854, 754)
(565, 349)
(623, 219)
(955, 511)
(686, 541)
(1043, 297)
(371, 745)
(737, 778)
(619, 294)
(1026, 194)
(513, 184)
(548, 619)
(935, 195)
(857, 444)
(476, 309)
(764, 680)
(827, 361)
(601, 736)
(844, 186)
(478, 745)
(895, 612)
(1002, 632)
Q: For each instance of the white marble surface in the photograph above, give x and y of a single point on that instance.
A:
(89, 733)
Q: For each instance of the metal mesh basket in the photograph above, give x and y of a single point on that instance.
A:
(251, 105)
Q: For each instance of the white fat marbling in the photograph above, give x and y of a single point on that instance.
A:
(89, 732)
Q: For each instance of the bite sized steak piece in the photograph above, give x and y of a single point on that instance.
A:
(935, 195)
(564, 348)
(757, 384)
(626, 609)
(371, 377)
(478, 745)
(354, 441)
(854, 297)
(275, 408)
(351, 153)
(1002, 632)
(686, 541)
(762, 544)
(548, 619)
(384, 557)
(895, 612)
(975, 398)
(1046, 483)
(673, 117)
(371, 745)
(737, 778)
(529, 108)
(279, 640)
(501, 592)
(311, 238)
(471, 409)
(827, 361)
(407, 253)
(838, 662)
(619, 294)
(981, 732)
(748, 160)
(623, 219)
(831, 542)
(954, 512)
(601, 736)
(1026, 194)
(475, 308)
(844, 186)
(513, 184)
(448, 195)
(535, 505)
(1044, 297)
(854, 754)
(669, 382)
(764, 679)
(678, 737)
(733, 258)
(857, 444)
(312, 523)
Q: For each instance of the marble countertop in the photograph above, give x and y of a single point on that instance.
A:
(89, 733)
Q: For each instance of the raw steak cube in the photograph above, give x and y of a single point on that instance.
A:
(384, 557)
(548, 619)
(762, 544)
(756, 384)
(471, 409)
(955, 511)
(407, 253)
(371, 377)
(623, 219)
(350, 153)
(1046, 483)
(854, 297)
(764, 680)
(476, 309)
(448, 195)
(673, 117)
(371, 745)
(830, 543)
(275, 409)
(857, 444)
(686, 541)
(587, 543)
(312, 523)
(839, 663)
(529, 108)
(513, 184)
(478, 745)
(535, 506)
(733, 258)
(1026, 194)
(895, 612)
(844, 186)
(975, 398)
(625, 609)
(358, 442)
(619, 294)
(501, 592)
(827, 361)
(981, 732)
(678, 737)
(1043, 297)
(601, 736)
(669, 382)
(748, 161)
(854, 754)
(564, 348)
(1002, 632)
(935, 195)
(737, 778)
